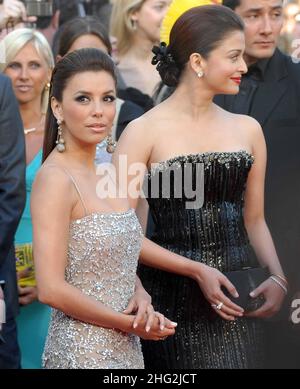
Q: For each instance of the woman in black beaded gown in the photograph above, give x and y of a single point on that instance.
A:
(184, 264)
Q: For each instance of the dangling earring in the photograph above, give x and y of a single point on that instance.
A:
(110, 144)
(200, 74)
(60, 142)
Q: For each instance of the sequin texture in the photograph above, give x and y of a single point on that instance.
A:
(214, 235)
(102, 260)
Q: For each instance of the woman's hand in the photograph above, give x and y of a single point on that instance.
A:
(27, 294)
(140, 305)
(156, 331)
(274, 296)
(15, 11)
(210, 281)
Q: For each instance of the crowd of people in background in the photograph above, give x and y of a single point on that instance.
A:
(81, 279)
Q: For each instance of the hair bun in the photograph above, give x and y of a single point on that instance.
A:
(165, 65)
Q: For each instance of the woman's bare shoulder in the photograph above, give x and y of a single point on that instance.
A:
(244, 123)
(52, 178)
(150, 122)
(52, 193)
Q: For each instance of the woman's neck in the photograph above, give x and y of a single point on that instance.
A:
(193, 100)
(31, 114)
(79, 156)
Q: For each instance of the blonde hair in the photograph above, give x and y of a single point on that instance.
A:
(121, 25)
(16, 40)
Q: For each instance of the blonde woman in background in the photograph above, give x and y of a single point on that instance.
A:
(136, 25)
(29, 64)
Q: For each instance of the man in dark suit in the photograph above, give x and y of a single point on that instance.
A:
(270, 92)
(12, 201)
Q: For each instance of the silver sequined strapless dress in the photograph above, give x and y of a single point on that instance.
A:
(102, 259)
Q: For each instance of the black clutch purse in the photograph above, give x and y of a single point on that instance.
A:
(245, 281)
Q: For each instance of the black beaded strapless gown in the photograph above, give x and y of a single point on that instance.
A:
(216, 236)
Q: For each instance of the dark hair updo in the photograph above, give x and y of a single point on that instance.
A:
(199, 30)
(76, 62)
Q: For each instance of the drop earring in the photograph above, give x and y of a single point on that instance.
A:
(110, 144)
(60, 142)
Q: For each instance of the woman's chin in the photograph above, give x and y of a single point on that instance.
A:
(229, 90)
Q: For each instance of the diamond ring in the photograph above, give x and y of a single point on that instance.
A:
(218, 307)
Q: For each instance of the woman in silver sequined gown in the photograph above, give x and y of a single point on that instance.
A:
(102, 259)
(184, 264)
(86, 245)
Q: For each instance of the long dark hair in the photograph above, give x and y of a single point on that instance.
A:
(77, 27)
(78, 61)
(199, 30)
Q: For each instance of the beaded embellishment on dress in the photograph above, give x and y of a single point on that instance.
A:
(214, 235)
(102, 260)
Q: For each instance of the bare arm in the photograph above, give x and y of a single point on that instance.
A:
(257, 229)
(53, 199)
(142, 212)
